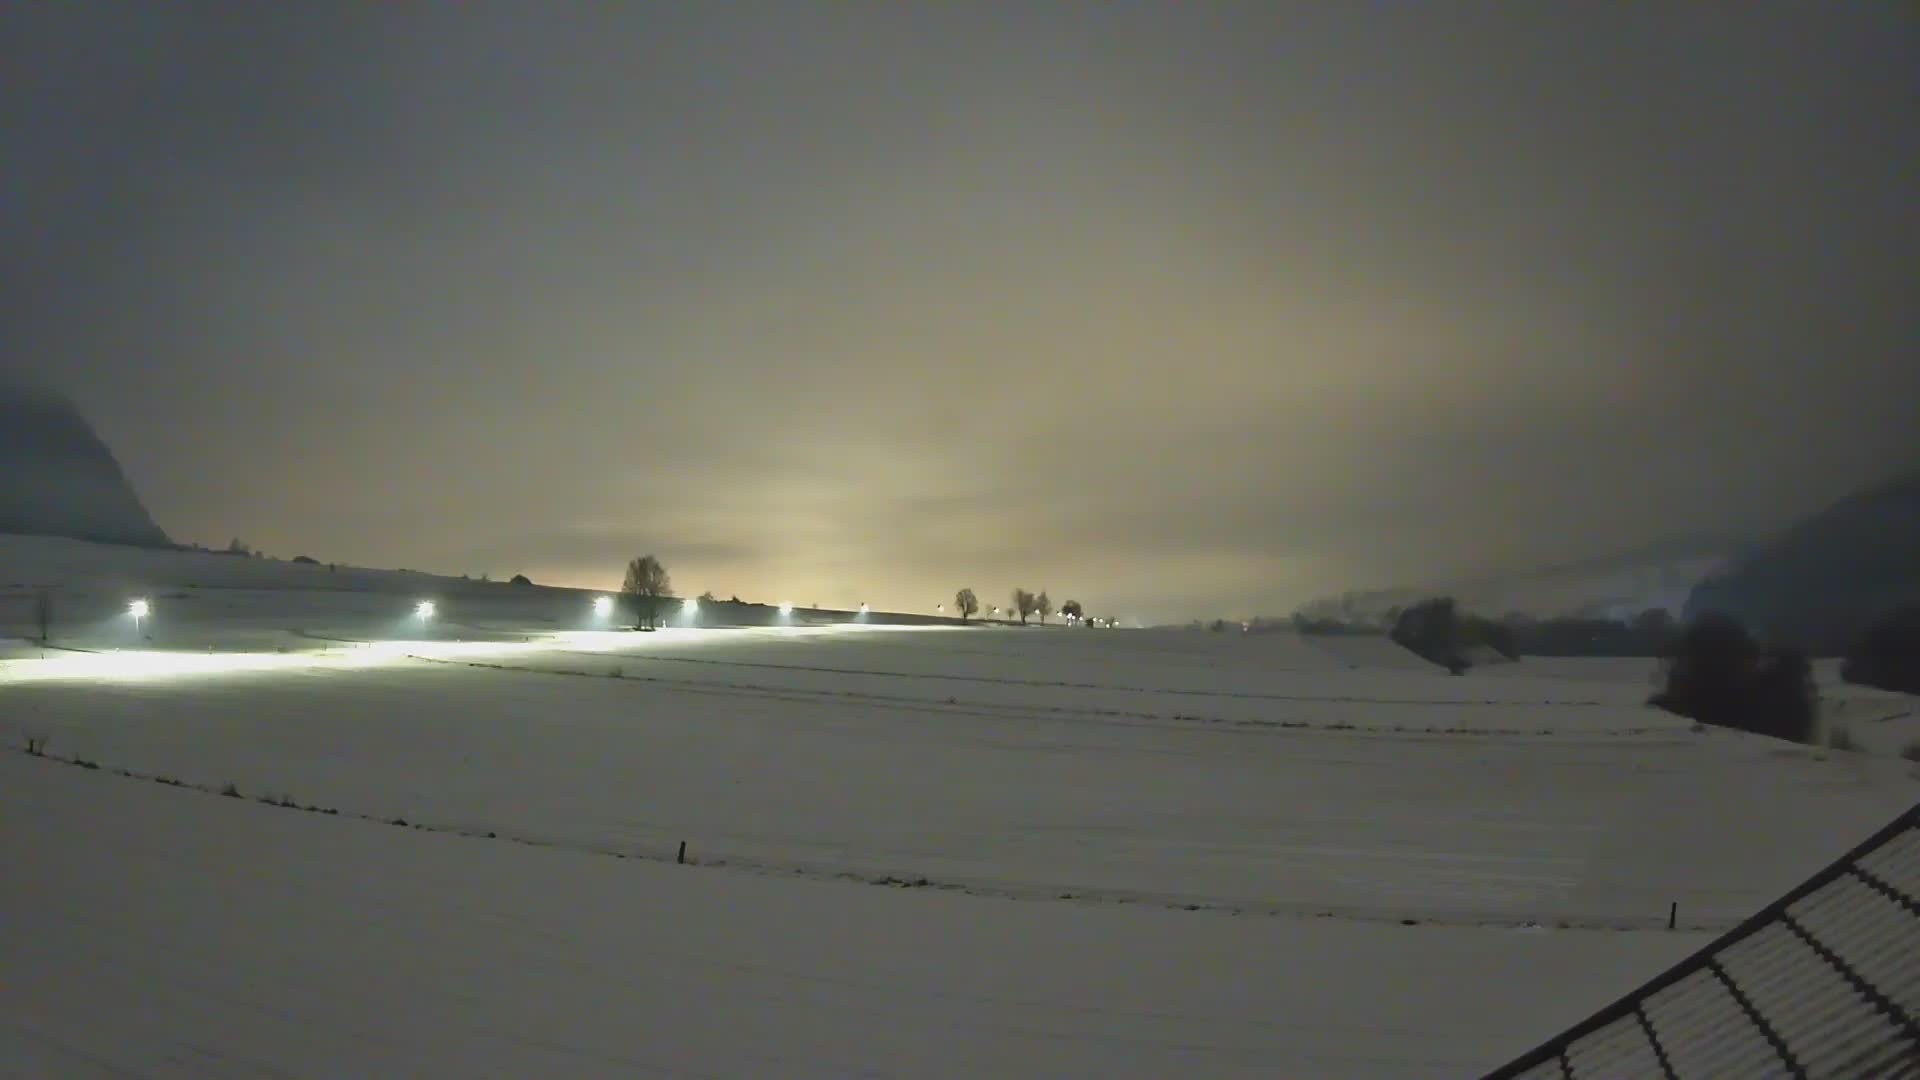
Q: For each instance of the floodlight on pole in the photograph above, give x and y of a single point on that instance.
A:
(138, 609)
(691, 605)
(423, 610)
(603, 606)
(786, 607)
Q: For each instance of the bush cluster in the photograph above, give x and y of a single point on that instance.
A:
(1717, 673)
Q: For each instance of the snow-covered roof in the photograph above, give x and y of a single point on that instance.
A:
(1824, 982)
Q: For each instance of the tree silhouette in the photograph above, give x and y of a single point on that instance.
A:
(1023, 604)
(1043, 606)
(966, 604)
(647, 582)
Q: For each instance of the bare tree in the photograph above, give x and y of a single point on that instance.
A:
(647, 582)
(1044, 606)
(966, 604)
(1023, 604)
(1072, 610)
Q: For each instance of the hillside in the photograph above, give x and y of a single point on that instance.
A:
(59, 478)
(1820, 582)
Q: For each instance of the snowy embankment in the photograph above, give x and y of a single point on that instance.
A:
(1135, 853)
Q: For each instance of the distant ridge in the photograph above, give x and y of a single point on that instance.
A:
(1822, 581)
(59, 478)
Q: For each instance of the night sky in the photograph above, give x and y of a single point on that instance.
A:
(1179, 309)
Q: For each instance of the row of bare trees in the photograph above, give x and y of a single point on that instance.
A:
(1025, 604)
(648, 584)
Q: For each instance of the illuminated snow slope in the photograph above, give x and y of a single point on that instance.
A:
(1132, 852)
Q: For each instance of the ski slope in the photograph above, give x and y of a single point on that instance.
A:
(945, 851)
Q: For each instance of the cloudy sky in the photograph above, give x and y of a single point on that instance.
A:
(1175, 308)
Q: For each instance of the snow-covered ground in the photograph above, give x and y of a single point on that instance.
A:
(1124, 852)
(162, 932)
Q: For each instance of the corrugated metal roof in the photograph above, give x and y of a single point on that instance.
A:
(1824, 982)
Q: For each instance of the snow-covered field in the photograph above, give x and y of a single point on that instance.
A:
(914, 851)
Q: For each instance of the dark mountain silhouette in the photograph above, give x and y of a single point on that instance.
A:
(1823, 581)
(57, 478)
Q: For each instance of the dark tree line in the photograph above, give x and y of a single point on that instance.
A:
(1649, 634)
(1888, 654)
(1718, 673)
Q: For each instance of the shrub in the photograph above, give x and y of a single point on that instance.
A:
(230, 791)
(1718, 674)
(519, 579)
(1911, 751)
(306, 560)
